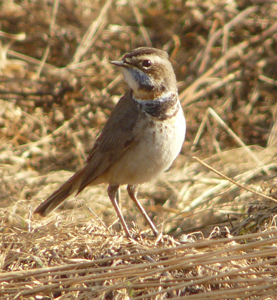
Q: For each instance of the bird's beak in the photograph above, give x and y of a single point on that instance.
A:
(119, 63)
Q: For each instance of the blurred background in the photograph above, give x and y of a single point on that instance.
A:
(57, 89)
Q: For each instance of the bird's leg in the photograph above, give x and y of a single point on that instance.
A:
(132, 191)
(112, 191)
(118, 196)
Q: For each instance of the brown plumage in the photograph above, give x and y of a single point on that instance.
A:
(141, 138)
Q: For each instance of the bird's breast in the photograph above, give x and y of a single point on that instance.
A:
(158, 142)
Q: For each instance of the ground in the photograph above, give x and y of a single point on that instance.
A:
(216, 204)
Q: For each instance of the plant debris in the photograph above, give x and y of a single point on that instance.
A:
(57, 89)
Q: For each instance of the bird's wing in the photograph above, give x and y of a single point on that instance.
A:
(117, 136)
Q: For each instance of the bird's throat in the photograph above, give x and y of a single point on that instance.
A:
(162, 108)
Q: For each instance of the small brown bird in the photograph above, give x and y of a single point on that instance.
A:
(140, 140)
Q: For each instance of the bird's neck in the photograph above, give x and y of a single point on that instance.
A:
(162, 107)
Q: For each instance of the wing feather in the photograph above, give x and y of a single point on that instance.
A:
(117, 136)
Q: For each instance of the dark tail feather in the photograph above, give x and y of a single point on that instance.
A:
(71, 185)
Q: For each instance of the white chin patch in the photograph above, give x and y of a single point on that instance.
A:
(132, 83)
(135, 76)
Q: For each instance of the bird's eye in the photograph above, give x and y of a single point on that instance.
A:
(146, 63)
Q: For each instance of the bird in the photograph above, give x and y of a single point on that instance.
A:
(141, 138)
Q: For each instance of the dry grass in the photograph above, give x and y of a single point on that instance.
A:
(57, 90)
(77, 263)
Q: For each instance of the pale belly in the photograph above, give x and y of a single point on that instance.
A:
(151, 155)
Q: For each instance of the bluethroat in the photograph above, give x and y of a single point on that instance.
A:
(140, 140)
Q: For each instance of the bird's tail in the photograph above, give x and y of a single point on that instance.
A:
(71, 185)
